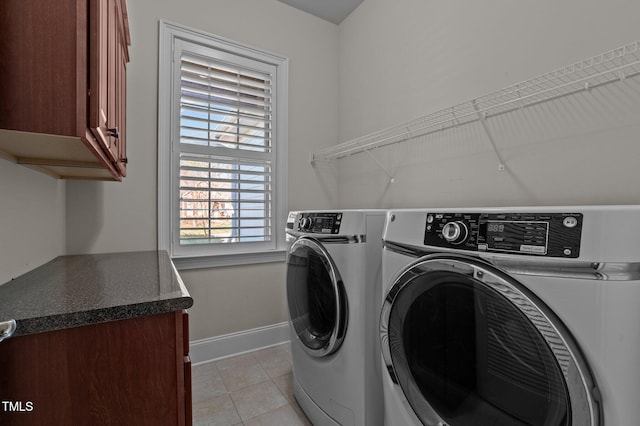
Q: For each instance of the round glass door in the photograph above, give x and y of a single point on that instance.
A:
(467, 345)
(316, 298)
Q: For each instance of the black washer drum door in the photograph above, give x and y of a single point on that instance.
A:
(470, 346)
(316, 297)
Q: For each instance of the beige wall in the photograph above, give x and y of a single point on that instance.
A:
(32, 223)
(405, 59)
(104, 217)
(231, 299)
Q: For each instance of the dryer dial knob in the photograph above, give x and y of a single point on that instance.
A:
(455, 232)
(305, 224)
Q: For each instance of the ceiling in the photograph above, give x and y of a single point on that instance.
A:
(330, 10)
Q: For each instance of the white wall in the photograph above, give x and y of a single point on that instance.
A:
(32, 223)
(104, 217)
(405, 59)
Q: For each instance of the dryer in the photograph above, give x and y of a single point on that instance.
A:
(334, 292)
(511, 316)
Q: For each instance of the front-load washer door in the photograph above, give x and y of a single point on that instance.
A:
(316, 297)
(468, 345)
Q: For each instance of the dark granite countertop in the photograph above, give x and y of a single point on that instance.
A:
(78, 290)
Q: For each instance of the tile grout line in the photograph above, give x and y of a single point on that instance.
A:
(268, 360)
(235, 407)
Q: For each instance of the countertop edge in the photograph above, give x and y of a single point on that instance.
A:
(78, 319)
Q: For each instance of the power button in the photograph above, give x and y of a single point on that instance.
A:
(570, 222)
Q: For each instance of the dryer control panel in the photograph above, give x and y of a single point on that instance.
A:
(542, 234)
(318, 223)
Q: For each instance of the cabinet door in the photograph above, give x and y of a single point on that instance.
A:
(43, 67)
(188, 400)
(108, 55)
(99, 71)
(112, 90)
(120, 101)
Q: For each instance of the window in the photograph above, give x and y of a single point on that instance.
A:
(221, 151)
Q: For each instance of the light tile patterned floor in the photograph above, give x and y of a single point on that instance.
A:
(251, 389)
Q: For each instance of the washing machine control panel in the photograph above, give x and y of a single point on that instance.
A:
(319, 223)
(541, 234)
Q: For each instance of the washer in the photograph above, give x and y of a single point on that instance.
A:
(512, 316)
(334, 292)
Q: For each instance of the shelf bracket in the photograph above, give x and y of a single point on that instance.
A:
(386, 172)
(483, 121)
(456, 123)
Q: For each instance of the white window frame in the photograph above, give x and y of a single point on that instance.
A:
(168, 158)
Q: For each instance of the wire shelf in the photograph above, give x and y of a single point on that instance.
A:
(614, 65)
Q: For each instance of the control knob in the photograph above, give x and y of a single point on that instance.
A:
(455, 232)
(305, 223)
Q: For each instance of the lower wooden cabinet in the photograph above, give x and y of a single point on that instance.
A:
(128, 372)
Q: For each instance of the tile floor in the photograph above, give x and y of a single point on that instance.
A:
(255, 388)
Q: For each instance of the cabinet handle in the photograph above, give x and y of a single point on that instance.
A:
(6, 329)
(113, 131)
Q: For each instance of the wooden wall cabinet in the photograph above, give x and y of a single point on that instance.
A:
(63, 86)
(127, 372)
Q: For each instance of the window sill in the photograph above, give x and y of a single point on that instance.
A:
(201, 262)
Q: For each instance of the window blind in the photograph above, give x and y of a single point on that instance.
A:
(226, 164)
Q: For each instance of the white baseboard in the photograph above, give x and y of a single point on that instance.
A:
(213, 348)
